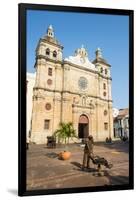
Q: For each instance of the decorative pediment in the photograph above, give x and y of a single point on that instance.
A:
(81, 58)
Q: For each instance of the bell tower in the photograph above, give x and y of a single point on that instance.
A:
(101, 64)
(48, 58)
(104, 93)
(48, 87)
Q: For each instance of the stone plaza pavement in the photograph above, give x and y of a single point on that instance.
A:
(46, 171)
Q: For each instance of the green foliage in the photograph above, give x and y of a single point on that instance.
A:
(65, 132)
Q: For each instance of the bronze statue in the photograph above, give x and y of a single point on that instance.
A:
(96, 160)
(88, 152)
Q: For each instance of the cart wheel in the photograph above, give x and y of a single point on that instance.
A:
(100, 173)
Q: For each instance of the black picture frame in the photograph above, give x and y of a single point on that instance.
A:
(22, 97)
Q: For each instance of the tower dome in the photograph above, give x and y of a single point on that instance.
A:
(50, 31)
(98, 53)
(50, 27)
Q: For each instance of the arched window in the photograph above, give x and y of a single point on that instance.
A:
(50, 71)
(101, 70)
(106, 71)
(54, 54)
(47, 51)
(104, 86)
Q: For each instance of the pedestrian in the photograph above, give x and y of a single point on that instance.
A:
(88, 152)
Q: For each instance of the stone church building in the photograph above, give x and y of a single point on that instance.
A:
(73, 89)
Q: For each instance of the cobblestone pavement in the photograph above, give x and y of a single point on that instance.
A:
(46, 171)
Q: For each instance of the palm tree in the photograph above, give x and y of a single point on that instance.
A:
(66, 131)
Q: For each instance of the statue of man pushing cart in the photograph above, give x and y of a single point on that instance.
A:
(88, 155)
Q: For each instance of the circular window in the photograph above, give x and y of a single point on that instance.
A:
(104, 93)
(105, 112)
(48, 106)
(49, 82)
(82, 83)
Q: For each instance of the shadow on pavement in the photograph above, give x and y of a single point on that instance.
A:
(79, 167)
(77, 164)
(118, 180)
(52, 155)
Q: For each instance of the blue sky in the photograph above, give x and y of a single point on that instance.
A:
(109, 32)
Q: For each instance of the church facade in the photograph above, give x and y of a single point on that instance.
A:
(73, 89)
